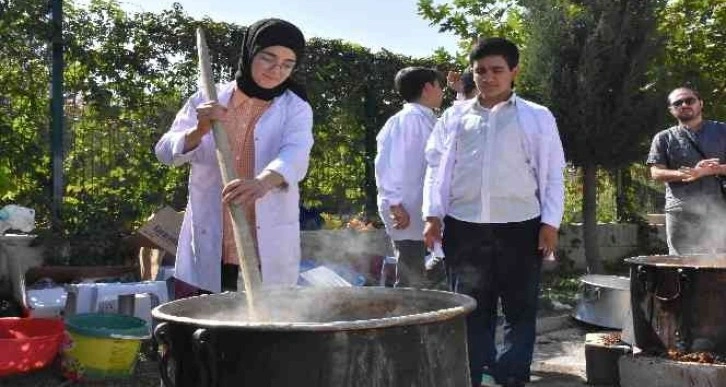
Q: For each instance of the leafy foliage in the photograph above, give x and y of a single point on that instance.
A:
(595, 62)
(471, 19)
(126, 75)
(606, 209)
(597, 57)
(696, 31)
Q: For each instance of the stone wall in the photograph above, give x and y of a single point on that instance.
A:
(616, 241)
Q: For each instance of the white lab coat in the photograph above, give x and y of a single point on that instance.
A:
(400, 166)
(283, 139)
(541, 143)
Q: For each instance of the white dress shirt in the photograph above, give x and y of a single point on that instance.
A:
(400, 166)
(493, 181)
(542, 150)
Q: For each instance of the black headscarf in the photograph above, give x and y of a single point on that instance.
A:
(262, 34)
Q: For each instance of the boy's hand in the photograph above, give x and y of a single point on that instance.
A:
(453, 81)
(432, 232)
(400, 217)
(547, 240)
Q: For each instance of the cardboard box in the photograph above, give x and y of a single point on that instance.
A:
(162, 229)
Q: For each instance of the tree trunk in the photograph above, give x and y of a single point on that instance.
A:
(626, 207)
(621, 212)
(589, 218)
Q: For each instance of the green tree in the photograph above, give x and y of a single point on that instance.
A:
(695, 32)
(24, 109)
(598, 54)
(471, 19)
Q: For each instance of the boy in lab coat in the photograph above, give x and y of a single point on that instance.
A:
(400, 166)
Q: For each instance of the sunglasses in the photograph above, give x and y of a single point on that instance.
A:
(688, 101)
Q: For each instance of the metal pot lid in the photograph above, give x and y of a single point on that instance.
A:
(705, 261)
(606, 281)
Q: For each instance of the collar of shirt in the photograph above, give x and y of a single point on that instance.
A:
(427, 111)
(239, 98)
(511, 101)
(695, 134)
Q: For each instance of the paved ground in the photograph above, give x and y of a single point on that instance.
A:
(559, 361)
(559, 358)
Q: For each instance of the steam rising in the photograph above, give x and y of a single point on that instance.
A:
(701, 230)
(322, 305)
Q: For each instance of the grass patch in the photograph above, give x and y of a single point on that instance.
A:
(559, 288)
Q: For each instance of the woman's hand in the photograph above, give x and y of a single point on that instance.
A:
(207, 113)
(245, 192)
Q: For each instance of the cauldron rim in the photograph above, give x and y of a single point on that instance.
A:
(466, 305)
(694, 261)
(606, 281)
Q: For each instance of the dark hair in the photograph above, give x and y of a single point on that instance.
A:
(687, 86)
(410, 81)
(495, 46)
(467, 80)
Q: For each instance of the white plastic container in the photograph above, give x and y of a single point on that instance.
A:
(103, 297)
(46, 303)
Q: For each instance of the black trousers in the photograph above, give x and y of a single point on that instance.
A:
(492, 262)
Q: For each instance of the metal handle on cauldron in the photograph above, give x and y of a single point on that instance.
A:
(206, 357)
(679, 283)
(161, 336)
(591, 293)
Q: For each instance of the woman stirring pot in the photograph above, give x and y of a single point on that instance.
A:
(269, 125)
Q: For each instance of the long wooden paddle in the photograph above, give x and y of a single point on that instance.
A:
(248, 260)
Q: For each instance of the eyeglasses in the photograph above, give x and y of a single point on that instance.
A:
(269, 61)
(688, 101)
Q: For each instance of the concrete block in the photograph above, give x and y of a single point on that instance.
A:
(649, 371)
(602, 351)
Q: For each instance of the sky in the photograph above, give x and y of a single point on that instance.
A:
(390, 24)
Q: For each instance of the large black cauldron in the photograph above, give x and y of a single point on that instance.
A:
(679, 303)
(336, 337)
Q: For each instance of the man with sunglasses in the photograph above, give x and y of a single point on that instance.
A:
(690, 158)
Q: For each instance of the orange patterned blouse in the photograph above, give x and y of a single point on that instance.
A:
(242, 116)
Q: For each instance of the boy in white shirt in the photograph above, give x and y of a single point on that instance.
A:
(400, 166)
